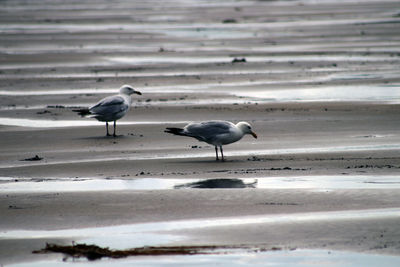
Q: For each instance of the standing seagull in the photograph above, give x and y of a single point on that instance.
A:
(216, 133)
(111, 108)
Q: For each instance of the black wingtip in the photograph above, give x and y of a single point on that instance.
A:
(176, 131)
(82, 112)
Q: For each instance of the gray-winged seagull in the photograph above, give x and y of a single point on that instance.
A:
(216, 133)
(111, 108)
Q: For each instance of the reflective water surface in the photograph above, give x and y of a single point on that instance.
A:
(152, 234)
(375, 93)
(306, 182)
(41, 123)
(105, 236)
(293, 258)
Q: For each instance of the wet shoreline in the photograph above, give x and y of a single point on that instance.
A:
(318, 80)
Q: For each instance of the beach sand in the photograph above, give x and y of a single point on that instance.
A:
(320, 86)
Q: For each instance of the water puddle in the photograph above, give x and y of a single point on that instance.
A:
(148, 102)
(210, 33)
(37, 123)
(103, 236)
(149, 60)
(218, 183)
(186, 29)
(338, 93)
(57, 92)
(24, 185)
(256, 90)
(68, 185)
(22, 107)
(164, 73)
(283, 258)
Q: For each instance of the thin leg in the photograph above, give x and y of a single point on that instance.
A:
(222, 153)
(107, 128)
(216, 153)
(115, 127)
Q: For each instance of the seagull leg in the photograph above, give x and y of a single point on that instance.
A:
(216, 152)
(107, 128)
(222, 153)
(115, 126)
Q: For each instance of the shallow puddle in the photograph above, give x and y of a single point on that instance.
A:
(164, 233)
(327, 93)
(162, 73)
(293, 258)
(130, 232)
(141, 60)
(303, 182)
(256, 91)
(57, 92)
(40, 123)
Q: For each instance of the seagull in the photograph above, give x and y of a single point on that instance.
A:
(111, 108)
(216, 133)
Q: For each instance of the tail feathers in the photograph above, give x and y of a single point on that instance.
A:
(83, 111)
(176, 131)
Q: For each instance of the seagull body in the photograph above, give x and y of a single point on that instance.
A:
(111, 108)
(216, 133)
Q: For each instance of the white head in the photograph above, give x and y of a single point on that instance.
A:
(128, 90)
(246, 128)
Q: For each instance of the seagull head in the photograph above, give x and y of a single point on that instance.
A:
(246, 128)
(128, 90)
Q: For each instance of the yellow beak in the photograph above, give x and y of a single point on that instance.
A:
(253, 134)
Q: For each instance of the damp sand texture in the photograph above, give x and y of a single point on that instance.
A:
(317, 80)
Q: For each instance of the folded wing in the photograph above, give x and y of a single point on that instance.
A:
(109, 105)
(208, 131)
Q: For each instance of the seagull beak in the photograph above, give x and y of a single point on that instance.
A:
(137, 92)
(254, 134)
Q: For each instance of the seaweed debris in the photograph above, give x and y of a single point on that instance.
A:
(238, 60)
(93, 252)
(35, 158)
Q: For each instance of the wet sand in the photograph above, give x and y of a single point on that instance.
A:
(320, 85)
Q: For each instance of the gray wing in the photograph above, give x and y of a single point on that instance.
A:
(207, 131)
(109, 105)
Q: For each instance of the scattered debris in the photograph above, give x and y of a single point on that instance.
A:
(238, 60)
(55, 106)
(43, 112)
(93, 252)
(12, 207)
(255, 158)
(35, 158)
(229, 21)
(366, 166)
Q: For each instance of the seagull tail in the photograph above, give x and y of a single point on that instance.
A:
(83, 111)
(176, 131)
